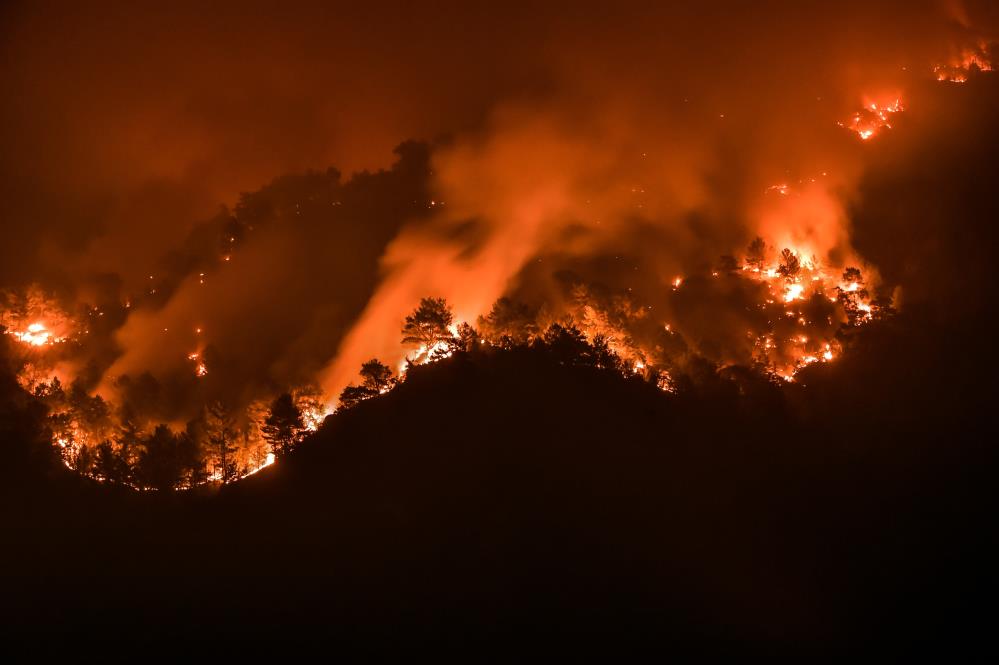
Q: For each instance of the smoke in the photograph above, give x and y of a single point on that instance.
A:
(621, 150)
(664, 154)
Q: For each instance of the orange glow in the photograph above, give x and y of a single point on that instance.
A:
(968, 61)
(869, 121)
(36, 334)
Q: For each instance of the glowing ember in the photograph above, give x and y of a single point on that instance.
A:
(968, 62)
(200, 368)
(870, 120)
(267, 462)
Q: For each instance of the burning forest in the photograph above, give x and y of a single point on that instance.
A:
(227, 267)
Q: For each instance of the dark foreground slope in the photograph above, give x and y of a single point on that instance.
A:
(506, 497)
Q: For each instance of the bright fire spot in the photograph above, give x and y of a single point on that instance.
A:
(200, 369)
(267, 462)
(677, 282)
(781, 189)
(870, 120)
(793, 292)
(970, 60)
(37, 334)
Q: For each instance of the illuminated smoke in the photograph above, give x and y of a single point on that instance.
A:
(606, 192)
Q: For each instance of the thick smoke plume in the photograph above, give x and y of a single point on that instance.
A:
(615, 155)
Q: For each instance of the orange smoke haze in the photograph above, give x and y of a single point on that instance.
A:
(558, 139)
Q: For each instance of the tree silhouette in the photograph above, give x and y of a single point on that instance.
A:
(128, 439)
(220, 431)
(428, 325)
(756, 253)
(283, 425)
(83, 460)
(603, 355)
(377, 375)
(566, 344)
(728, 263)
(376, 378)
(163, 460)
(789, 266)
(852, 296)
(110, 466)
(511, 319)
(353, 395)
(851, 275)
(468, 338)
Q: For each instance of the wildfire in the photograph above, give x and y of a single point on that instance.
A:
(792, 308)
(793, 292)
(969, 61)
(266, 463)
(872, 118)
(200, 368)
(36, 334)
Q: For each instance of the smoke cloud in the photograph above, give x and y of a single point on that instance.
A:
(625, 148)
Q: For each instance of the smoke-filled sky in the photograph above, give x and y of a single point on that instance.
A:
(577, 130)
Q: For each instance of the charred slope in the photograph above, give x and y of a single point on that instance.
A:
(504, 495)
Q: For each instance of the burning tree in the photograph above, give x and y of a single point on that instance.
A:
(428, 326)
(468, 338)
(852, 295)
(220, 432)
(510, 322)
(756, 254)
(284, 424)
(604, 356)
(790, 265)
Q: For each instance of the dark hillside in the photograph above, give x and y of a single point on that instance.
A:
(500, 492)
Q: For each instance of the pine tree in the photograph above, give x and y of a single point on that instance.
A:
(110, 466)
(283, 425)
(220, 432)
(376, 375)
(428, 325)
(161, 464)
(789, 264)
(756, 253)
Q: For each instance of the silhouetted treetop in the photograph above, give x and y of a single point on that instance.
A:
(284, 424)
(790, 265)
(428, 324)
